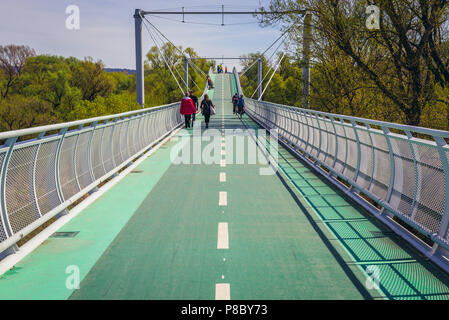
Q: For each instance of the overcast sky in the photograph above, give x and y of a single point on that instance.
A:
(107, 28)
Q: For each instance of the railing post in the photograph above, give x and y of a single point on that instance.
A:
(359, 152)
(416, 189)
(9, 232)
(386, 132)
(62, 133)
(306, 121)
(114, 127)
(89, 152)
(320, 131)
(368, 128)
(75, 173)
(33, 174)
(345, 165)
(336, 144)
(10, 144)
(444, 224)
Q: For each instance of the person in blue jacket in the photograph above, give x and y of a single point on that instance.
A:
(241, 106)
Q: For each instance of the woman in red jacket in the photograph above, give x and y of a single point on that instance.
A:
(187, 109)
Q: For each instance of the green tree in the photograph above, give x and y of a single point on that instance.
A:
(18, 112)
(12, 61)
(91, 79)
(398, 65)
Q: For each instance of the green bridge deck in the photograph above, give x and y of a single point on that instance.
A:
(290, 235)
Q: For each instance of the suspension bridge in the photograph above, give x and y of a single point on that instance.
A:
(351, 209)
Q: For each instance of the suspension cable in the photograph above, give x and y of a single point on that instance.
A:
(180, 76)
(161, 43)
(272, 75)
(269, 47)
(270, 68)
(160, 52)
(183, 53)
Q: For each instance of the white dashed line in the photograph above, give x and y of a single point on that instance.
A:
(222, 291)
(222, 177)
(223, 199)
(222, 163)
(223, 238)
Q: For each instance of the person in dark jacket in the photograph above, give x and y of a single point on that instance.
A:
(206, 106)
(235, 100)
(210, 84)
(241, 105)
(195, 103)
(187, 109)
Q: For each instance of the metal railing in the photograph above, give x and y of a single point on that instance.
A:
(403, 176)
(40, 178)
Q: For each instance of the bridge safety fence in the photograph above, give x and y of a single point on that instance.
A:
(400, 174)
(42, 177)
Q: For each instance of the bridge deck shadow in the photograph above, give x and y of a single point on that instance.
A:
(403, 272)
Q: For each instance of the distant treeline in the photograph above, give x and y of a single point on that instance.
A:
(43, 89)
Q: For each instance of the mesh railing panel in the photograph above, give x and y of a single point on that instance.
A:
(3, 234)
(382, 166)
(46, 190)
(40, 175)
(82, 160)
(431, 188)
(404, 175)
(19, 191)
(107, 146)
(366, 160)
(95, 154)
(67, 177)
(404, 180)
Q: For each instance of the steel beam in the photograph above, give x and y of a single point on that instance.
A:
(139, 57)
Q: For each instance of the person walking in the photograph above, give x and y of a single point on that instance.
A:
(226, 69)
(187, 109)
(207, 109)
(235, 100)
(195, 104)
(210, 83)
(241, 106)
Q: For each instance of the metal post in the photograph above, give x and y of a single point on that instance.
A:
(186, 73)
(259, 80)
(139, 58)
(307, 39)
(222, 15)
(444, 224)
(4, 210)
